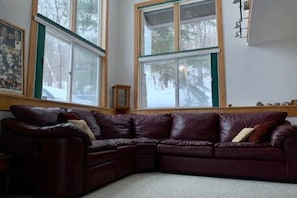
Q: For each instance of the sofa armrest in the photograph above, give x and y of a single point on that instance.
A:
(281, 133)
(47, 160)
(61, 130)
(290, 148)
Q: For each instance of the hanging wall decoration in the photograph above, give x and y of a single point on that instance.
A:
(11, 58)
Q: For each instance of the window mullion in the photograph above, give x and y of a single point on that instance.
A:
(141, 32)
(73, 17)
(103, 14)
(70, 73)
(177, 83)
(176, 26)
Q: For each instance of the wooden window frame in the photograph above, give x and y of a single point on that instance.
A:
(137, 47)
(30, 84)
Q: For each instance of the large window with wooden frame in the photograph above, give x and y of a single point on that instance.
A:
(70, 50)
(177, 54)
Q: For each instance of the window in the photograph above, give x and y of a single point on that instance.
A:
(85, 17)
(70, 37)
(158, 31)
(178, 54)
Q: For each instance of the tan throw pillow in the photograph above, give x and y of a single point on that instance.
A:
(242, 135)
(84, 126)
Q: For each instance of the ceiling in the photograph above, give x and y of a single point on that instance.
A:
(272, 20)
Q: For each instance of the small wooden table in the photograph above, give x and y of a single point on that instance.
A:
(4, 169)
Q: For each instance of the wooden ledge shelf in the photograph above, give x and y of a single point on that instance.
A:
(290, 109)
(7, 100)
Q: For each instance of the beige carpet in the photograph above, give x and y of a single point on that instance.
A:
(161, 185)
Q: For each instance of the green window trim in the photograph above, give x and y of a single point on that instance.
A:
(41, 46)
(39, 61)
(215, 79)
(46, 21)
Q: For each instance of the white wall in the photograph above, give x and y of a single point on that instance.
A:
(264, 72)
(18, 13)
(121, 43)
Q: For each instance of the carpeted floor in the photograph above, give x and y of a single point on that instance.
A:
(161, 185)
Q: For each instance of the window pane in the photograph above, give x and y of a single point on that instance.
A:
(158, 84)
(56, 10)
(195, 82)
(85, 83)
(158, 31)
(198, 25)
(88, 20)
(55, 68)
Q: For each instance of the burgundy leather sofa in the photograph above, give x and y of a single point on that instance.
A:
(56, 158)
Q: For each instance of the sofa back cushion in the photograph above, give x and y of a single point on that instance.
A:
(40, 116)
(114, 126)
(155, 126)
(195, 126)
(89, 118)
(232, 123)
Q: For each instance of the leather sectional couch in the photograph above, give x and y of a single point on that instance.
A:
(54, 157)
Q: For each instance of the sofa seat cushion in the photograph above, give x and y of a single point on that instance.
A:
(126, 150)
(122, 141)
(111, 144)
(145, 145)
(232, 123)
(101, 145)
(186, 148)
(125, 147)
(145, 141)
(248, 150)
(195, 126)
(100, 157)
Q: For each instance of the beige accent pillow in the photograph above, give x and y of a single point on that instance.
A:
(243, 135)
(84, 126)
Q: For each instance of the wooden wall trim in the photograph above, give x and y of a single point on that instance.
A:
(7, 100)
(290, 109)
(104, 66)
(29, 82)
(136, 54)
(221, 67)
